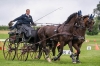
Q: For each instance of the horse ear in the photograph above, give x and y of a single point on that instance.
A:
(90, 16)
(80, 12)
(93, 16)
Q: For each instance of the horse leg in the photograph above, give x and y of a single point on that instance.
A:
(60, 51)
(58, 48)
(53, 49)
(77, 58)
(72, 54)
(78, 52)
(46, 51)
(35, 50)
(41, 37)
(40, 51)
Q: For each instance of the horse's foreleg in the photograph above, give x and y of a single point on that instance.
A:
(72, 54)
(58, 48)
(53, 50)
(70, 46)
(78, 52)
(60, 51)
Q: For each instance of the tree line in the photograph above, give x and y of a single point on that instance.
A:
(96, 28)
(3, 27)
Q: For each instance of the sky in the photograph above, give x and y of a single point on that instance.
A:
(11, 9)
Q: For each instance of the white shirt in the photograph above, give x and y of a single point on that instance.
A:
(27, 15)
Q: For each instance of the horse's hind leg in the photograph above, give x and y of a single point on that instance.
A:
(53, 48)
(40, 51)
(46, 51)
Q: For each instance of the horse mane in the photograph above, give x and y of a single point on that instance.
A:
(85, 16)
(69, 18)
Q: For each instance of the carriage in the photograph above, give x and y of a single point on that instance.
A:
(16, 46)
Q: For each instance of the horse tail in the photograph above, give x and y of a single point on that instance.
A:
(37, 37)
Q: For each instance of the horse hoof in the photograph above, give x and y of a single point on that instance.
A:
(74, 62)
(48, 59)
(54, 59)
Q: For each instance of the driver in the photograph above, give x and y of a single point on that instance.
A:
(25, 20)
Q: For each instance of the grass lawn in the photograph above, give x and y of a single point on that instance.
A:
(3, 34)
(87, 57)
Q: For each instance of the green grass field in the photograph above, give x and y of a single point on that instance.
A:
(87, 57)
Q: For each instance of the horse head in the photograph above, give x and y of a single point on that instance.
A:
(89, 22)
(79, 21)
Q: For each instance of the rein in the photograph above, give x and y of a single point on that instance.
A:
(55, 35)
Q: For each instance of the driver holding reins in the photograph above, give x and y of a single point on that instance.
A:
(25, 20)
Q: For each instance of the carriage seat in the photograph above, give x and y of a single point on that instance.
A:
(11, 33)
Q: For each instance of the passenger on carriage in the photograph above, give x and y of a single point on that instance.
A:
(25, 20)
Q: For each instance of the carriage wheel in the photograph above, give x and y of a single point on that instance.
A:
(33, 55)
(22, 51)
(33, 51)
(9, 49)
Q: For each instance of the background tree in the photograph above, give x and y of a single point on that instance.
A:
(97, 13)
(96, 27)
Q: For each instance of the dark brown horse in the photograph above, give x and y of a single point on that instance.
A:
(79, 34)
(67, 34)
(45, 32)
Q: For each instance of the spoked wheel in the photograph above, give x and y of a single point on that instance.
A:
(33, 55)
(9, 49)
(22, 51)
(33, 51)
